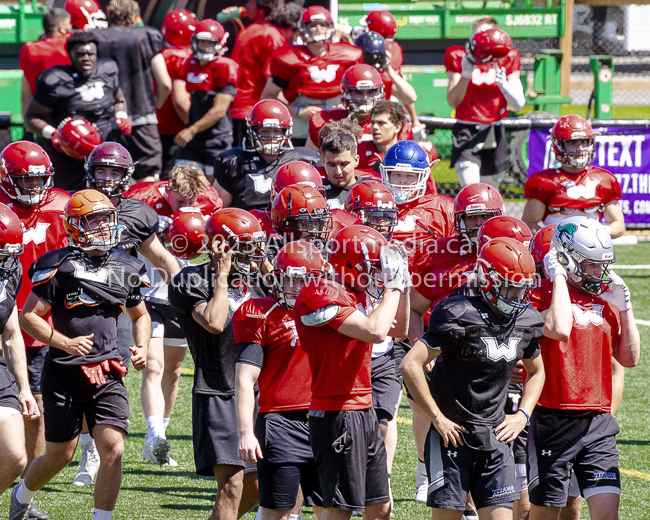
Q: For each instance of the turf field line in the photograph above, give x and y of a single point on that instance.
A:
(634, 473)
(642, 322)
(187, 371)
(617, 267)
(404, 420)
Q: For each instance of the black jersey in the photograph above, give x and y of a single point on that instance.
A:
(215, 356)
(479, 352)
(87, 295)
(336, 196)
(248, 177)
(133, 48)
(140, 221)
(61, 89)
(8, 291)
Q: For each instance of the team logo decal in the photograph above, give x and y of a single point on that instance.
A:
(319, 75)
(585, 317)
(565, 233)
(91, 91)
(261, 183)
(497, 351)
(37, 234)
(581, 191)
(82, 272)
(196, 78)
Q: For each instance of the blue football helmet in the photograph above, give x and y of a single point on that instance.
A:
(406, 156)
(373, 46)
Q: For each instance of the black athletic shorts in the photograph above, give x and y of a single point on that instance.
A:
(288, 461)
(386, 386)
(10, 401)
(145, 148)
(165, 324)
(124, 337)
(169, 154)
(350, 458)
(201, 154)
(68, 396)
(454, 472)
(512, 404)
(214, 434)
(484, 145)
(559, 440)
(35, 361)
(239, 132)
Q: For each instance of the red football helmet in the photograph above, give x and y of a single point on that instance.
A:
(185, 235)
(294, 173)
(11, 241)
(112, 155)
(504, 226)
(78, 137)
(573, 128)
(540, 245)
(209, 31)
(382, 22)
(476, 199)
(489, 46)
(301, 212)
(178, 27)
(354, 255)
(295, 264)
(272, 115)
(316, 13)
(20, 162)
(86, 15)
(84, 228)
(361, 88)
(506, 274)
(374, 204)
(240, 231)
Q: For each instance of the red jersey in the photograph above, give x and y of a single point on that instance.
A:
(483, 101)
(253, 50)
(320, 119)
(424, 220)
(211, 76)
(168, 121)
(298, 72)
(445, 265)
(586, 193)
(37, 56)
(153, 194)
(388, 83)
(43, 231)
(340, 364)
(579, 371)
(285, 377)
(396, 55)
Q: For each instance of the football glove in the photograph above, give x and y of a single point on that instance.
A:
(122, 123)
(467, 65)
(558, 264)
(618, 294)
(163, 223)
(392, 265)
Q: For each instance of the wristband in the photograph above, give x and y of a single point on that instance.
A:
(298, 111)
(525, 413)
(48, 131)
(121, 115)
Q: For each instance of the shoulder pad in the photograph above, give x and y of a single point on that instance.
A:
(45, 267)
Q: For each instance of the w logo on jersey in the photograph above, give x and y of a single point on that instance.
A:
(497, 351)
(294, 333)
(484, 78)
(581, 191)
(37, 234)
(407, 225)
(197, 78)
(261, 183)
(585, 317)
(82, 272)
(319, 75)
(91, 91)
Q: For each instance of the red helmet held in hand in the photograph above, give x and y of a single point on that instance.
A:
(489, 46)
(295, 173)
(78, 137)
(26, 173)
(382, 22)
(575, 131)
(11, 241)
(540, 245)
(185, 236)
(178, 27)
(504, 226)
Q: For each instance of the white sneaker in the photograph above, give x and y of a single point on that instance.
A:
(156, 450)
(422, 484)
(88, 467)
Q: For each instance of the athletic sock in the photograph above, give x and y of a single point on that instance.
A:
(165, 424)
(87, 441)
(155, 426)
(24, 495)
(100, 514)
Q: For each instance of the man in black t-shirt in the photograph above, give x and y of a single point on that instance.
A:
(137, 52)
(206, 297)
(87, 88)
(243, 177)
(85, 286)
(476, 342)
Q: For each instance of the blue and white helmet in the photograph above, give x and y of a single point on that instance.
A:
(406, 156)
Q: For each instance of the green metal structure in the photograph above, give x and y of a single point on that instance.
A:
(603, 69)
(546, 83)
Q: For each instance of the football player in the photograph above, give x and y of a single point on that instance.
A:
(268, 345)
(309, 76)
(243, 176)
(375, 206)
(476, 342)
(86, 285)
(210, 80)
(338, 336)
(13, 366)
(86, 15)
(89, 88)
(483, 82)
(253, 50)
(575, 188)
(177, 29)
(187, 188)
(205, 297)
(444, 265)
(26, 187)
(39, 55)
(590, 319)
(387, 119)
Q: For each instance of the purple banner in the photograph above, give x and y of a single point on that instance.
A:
(623, 151)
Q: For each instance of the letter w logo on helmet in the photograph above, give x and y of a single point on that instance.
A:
(496, 351)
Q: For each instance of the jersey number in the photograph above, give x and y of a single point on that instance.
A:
(496, 351)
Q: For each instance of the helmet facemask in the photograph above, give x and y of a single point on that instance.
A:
(404, 193)
(209, 51)
(364, 103)
(27, 194)
(317, 36)
(97, 230)
(109, 187)
(576, 158)
(509, 297)
(369, 275)
(382, 218)
(578, 276)
(270, 138)
(470, 234)
(288, 282)
(250, 250)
